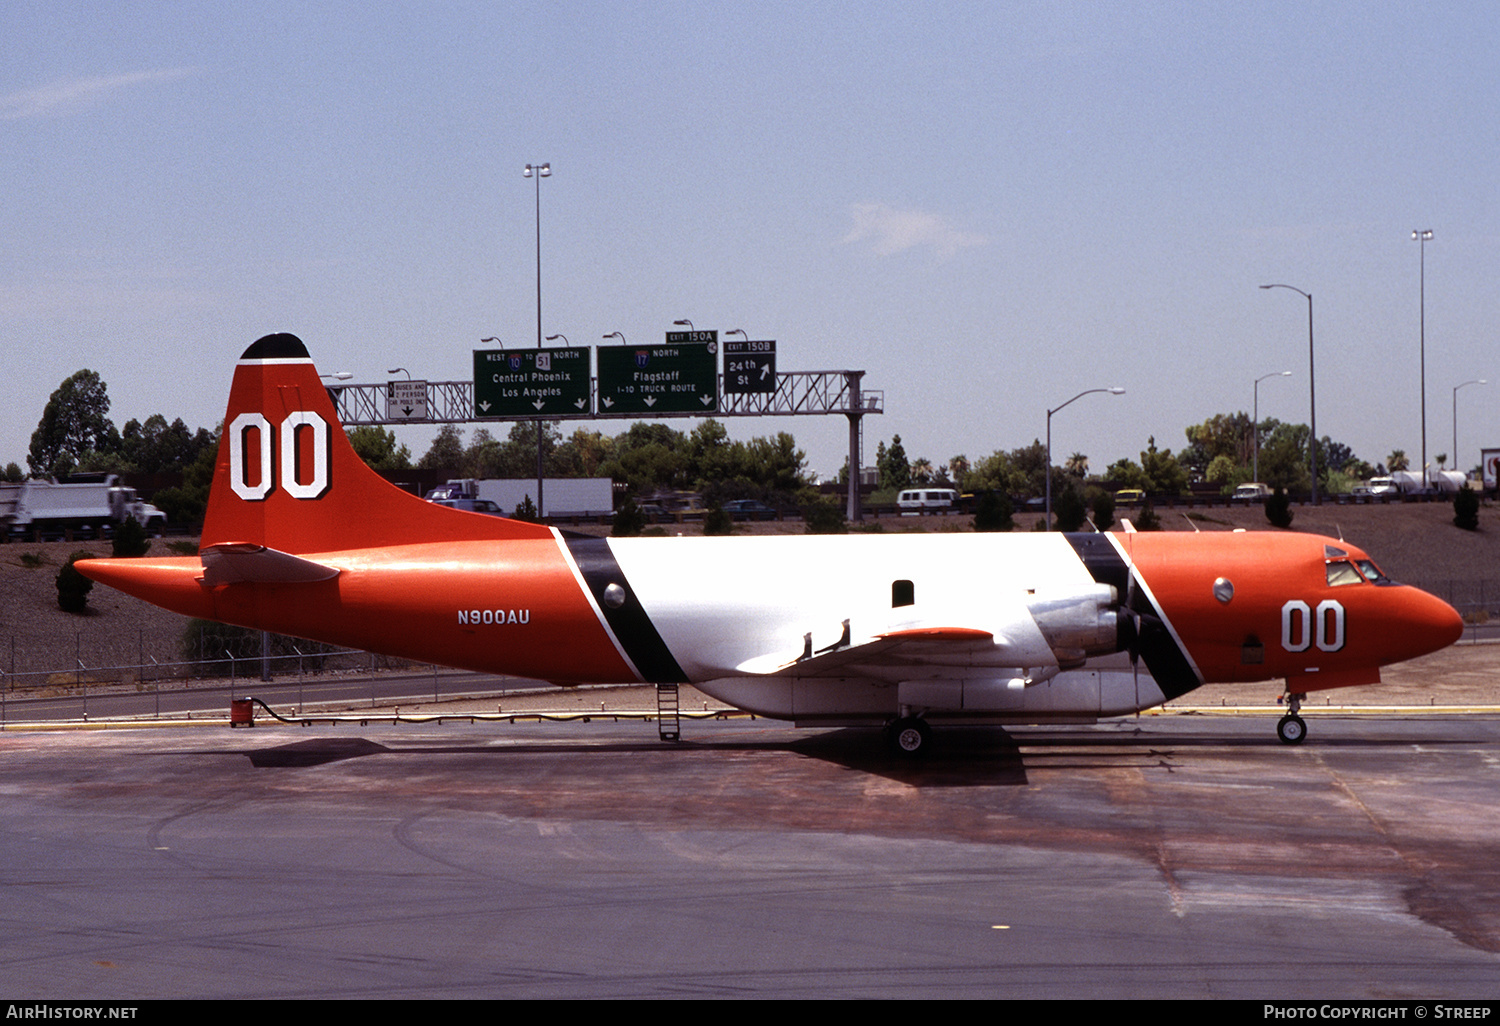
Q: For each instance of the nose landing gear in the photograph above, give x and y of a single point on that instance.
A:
(1291, 728)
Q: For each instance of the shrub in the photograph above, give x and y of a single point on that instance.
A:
(717, 522)
(629, 521)
(1104, 511)
(1070, 510)
(825, 516)
(72, 587)
(1279, 508)
(131, 540)
(1466, 508)
(994, 512)
(1148, 520)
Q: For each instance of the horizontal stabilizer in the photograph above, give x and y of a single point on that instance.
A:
(245, 562)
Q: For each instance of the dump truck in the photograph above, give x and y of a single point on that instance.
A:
(80, 504)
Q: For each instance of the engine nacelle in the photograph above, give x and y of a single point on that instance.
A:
(1078, 624)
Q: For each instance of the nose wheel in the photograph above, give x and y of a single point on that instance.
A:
(1291, 728)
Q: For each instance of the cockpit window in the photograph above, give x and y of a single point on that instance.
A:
(1372, 572)
(1342, 571)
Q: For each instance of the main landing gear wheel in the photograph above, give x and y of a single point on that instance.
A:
(910, 736)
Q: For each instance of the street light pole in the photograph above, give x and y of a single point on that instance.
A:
(1420, 236)
(538, 171)
(1255, 428)
(1112, 391)
(1476, 381)
(1312, 389)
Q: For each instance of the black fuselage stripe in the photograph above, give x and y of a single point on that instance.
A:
(1167, 663)
(628, 620)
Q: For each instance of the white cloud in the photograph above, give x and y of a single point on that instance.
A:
(68, 95)
(889, 231)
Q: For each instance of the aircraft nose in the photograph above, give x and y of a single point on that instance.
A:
(1430, 623)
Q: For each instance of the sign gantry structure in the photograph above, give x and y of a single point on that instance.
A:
(677, 378)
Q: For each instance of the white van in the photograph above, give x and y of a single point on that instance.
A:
(917, 501)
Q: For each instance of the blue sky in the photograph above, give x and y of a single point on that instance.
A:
(986, 207)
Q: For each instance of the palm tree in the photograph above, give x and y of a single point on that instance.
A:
(1077, 465)
(958, 466)
(1397, 461)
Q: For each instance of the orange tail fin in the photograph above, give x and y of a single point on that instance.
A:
(288, 479)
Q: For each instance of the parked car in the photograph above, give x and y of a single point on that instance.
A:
(749, 509)
(926, 500)
(472, 505)
(1129, 497)
(1251, 491)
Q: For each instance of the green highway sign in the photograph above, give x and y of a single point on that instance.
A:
(677, 338)
(749, 367)
(678, 377)
(514, 383)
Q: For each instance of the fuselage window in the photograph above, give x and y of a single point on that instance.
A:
(903, 593)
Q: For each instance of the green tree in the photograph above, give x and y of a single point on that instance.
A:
(1165, 476)
(1283, 458)
(1231, 435)
(446, 451)
(958, 468)
(1126, 473)
(1220, 470)
(186, 504)
(526, 510)
(75, 424)
(895, 471)
(157, 447)
(377, 447)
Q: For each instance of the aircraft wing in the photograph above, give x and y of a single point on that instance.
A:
(914, 644)
(240, 562)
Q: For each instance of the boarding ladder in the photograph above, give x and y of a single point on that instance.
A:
(668, 723)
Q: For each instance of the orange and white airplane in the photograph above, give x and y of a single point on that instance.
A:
(301, 538)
